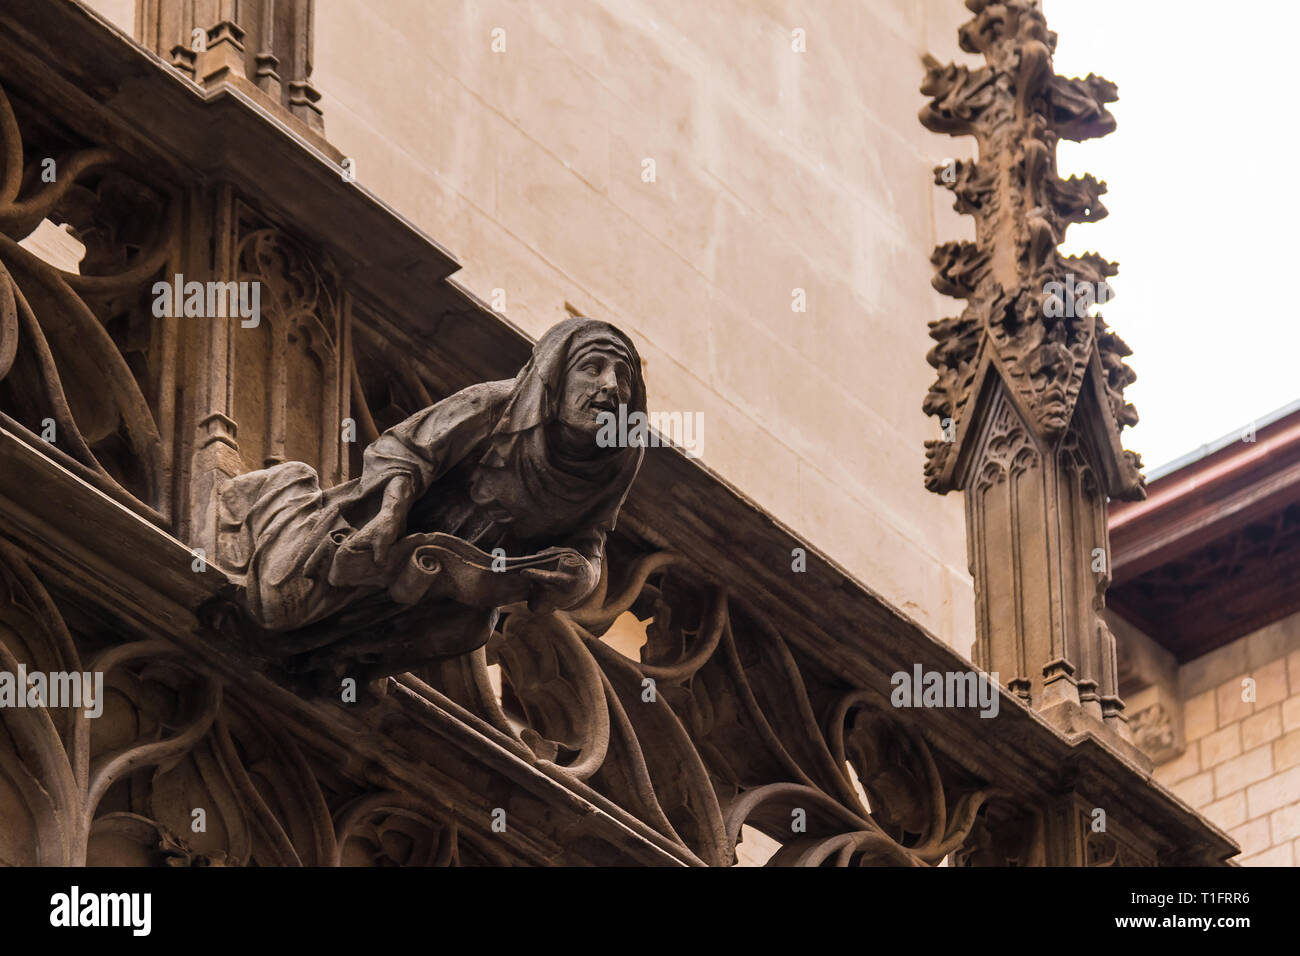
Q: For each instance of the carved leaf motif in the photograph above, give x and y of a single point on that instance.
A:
(1024, 298)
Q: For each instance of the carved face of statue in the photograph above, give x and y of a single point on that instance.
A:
(597, 380)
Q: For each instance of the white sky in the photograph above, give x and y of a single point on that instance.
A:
(1203, 174)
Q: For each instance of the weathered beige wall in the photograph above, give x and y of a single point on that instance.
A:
(120, 13)
(776, 170)
(1241, 767)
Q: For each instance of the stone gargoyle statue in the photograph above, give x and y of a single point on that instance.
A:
(496, 495)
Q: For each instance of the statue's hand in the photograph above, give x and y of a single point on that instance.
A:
(374, 540)
(563, 587)
(376, 537)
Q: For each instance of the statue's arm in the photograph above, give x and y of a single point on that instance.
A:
(409, 457)
(432, 441)
(571, 584)
(387, 525)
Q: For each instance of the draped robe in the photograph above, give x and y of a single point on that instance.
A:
(481, 464)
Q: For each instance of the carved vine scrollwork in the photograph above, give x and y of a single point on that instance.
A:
(176, 770)
(394, 829)
(75, 346)
(715, 726)
(711, 730)
(59, 772)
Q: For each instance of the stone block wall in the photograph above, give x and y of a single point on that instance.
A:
(1241, 765)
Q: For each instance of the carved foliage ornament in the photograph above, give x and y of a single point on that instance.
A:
(714, 725)
(1030, 311)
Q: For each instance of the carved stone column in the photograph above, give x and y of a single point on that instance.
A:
(1030, 380)
(215, 447)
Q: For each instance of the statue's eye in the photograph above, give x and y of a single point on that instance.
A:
(591, 369)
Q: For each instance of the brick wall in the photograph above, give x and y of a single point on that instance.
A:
(1241, 766)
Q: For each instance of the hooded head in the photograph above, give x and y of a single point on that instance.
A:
(543, 466)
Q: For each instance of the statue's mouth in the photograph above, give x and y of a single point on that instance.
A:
(603, 405)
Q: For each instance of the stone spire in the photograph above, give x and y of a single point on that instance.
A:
(1029, 390)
